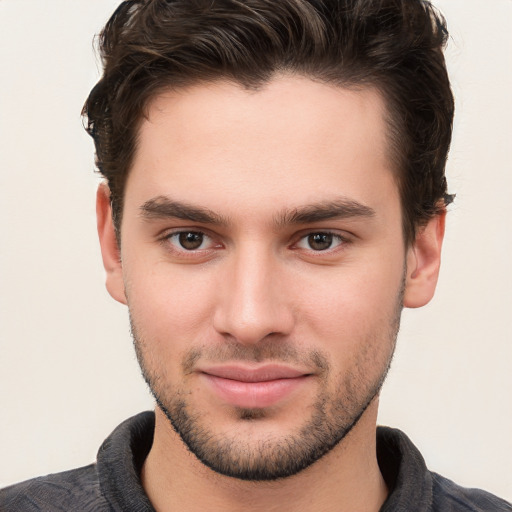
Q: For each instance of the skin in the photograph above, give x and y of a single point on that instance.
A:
(259, 289)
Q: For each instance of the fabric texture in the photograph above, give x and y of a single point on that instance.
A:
(113, 482)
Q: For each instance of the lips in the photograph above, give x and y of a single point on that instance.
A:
(253, 387)
(259, 374)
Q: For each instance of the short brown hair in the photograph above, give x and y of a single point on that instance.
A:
(393, 45)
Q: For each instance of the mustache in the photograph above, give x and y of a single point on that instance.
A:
(272, 349)
(268, 350)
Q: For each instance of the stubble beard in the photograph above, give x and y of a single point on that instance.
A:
(334, 413)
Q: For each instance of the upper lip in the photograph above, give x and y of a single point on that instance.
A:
(254, 374)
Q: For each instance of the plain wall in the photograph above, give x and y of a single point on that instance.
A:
(67, 369)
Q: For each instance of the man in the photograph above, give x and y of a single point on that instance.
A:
(274, 196)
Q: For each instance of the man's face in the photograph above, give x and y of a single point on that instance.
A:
(263, 264)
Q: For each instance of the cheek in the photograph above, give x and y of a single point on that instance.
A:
(353, 309)
(167, 304)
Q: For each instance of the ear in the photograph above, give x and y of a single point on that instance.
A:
(110, 252)
(423, 262)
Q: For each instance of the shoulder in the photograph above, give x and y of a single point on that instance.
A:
(112, 483)
(448, 496)
(414, 487)
(78, 489)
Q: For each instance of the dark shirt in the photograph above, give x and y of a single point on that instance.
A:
(113, 482)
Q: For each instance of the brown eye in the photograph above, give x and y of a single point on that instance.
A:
(190, 240)
(320, 241)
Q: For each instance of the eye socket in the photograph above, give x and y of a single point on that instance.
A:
(189, 240)
(320, 241)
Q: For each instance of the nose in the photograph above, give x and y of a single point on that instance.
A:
(253, 300)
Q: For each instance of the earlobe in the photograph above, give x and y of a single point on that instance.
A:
(423, 263)
(109, 246)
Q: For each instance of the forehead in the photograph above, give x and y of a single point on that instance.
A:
(286, 106)
(222, 143)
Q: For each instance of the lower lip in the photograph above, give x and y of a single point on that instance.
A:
(254, 395)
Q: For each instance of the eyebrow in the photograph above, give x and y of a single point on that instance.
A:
(341, 208)
(163, 207)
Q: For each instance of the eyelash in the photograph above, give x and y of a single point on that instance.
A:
(342, 241)
(168, 237)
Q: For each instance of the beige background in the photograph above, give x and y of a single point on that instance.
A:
(67, 371)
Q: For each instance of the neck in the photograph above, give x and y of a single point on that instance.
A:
(345, 479)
